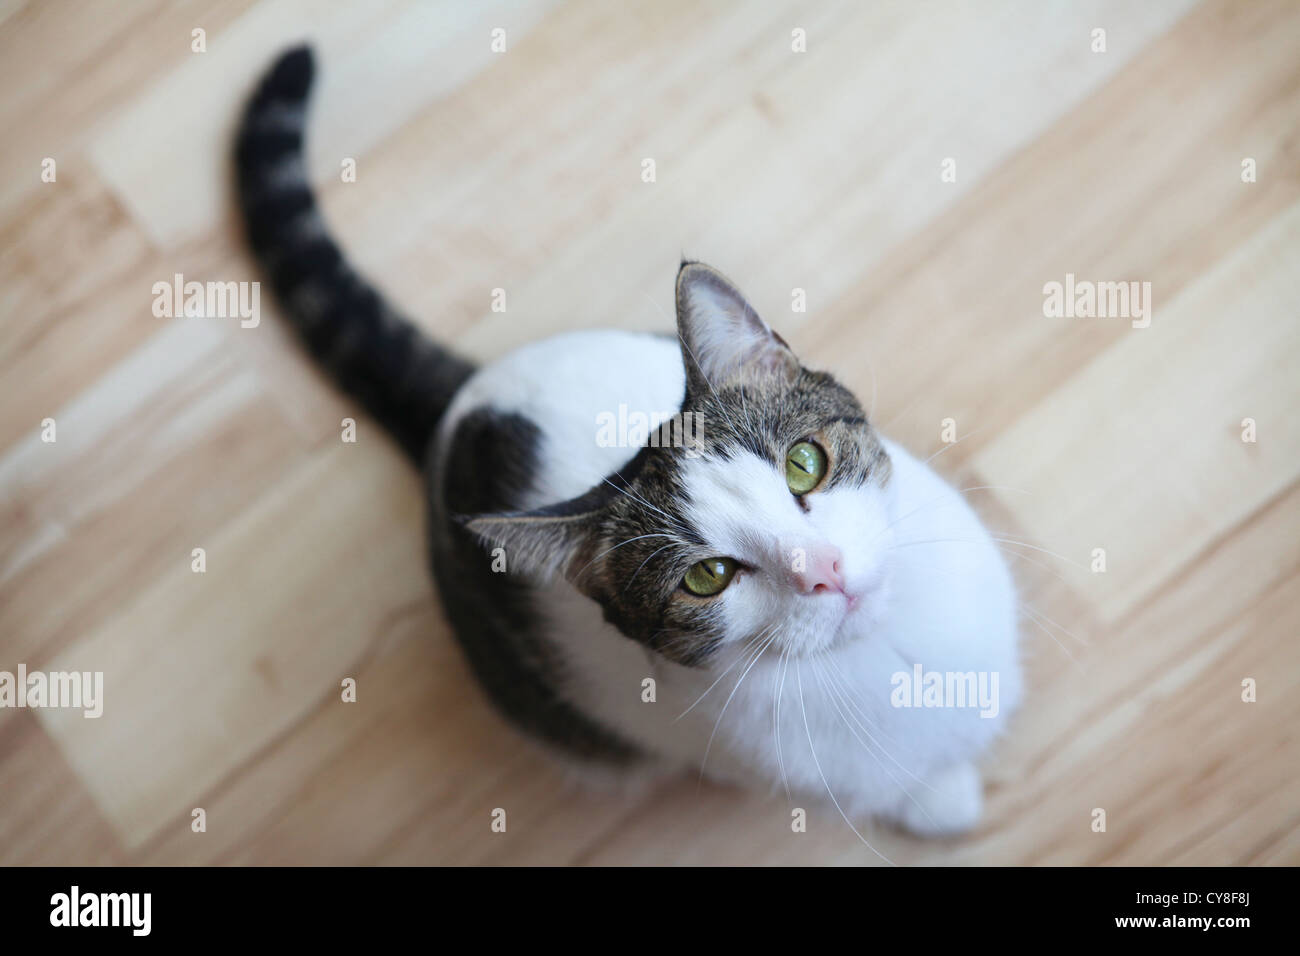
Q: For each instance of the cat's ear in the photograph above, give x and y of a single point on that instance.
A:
(722, 336)
(554, 541)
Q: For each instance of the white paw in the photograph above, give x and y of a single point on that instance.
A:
(951, 804)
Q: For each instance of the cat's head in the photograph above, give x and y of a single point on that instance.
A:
(768, 524)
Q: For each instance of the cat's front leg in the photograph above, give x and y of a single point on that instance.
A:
(949, 805)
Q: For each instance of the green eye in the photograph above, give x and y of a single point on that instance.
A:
(805, 464)
(710, 576)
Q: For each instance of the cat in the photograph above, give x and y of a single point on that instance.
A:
(746, 599)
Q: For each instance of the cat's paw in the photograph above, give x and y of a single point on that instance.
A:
(950, 805)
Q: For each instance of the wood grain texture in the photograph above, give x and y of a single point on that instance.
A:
(522, 170)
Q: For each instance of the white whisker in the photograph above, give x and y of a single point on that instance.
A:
(643, 564)
(907, 793)
(1064, 649)
(1034, 547)
(847, 694)
(783, 667)
(742, 654)
(799, 676)
(639, 500)
(718, 723)
(617, 546)
(1060, 627)
(954, 444)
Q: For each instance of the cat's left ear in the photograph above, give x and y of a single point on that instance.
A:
(558, 540)
(722, 336)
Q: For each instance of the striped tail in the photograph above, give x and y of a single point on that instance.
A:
(403, 379)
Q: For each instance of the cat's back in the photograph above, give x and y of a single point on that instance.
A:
(573, 401)
(523, 432)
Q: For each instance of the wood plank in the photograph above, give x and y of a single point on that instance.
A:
(1176, 425)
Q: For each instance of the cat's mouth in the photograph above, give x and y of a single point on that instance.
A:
(863, 609)
(829, 619)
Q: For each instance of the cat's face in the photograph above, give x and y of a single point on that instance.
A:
(771, 527)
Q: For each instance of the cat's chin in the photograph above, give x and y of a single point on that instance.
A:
(857, 622)
(861, 617)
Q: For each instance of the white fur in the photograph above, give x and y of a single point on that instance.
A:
(945, 602)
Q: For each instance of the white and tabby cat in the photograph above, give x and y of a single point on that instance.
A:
(773, 578)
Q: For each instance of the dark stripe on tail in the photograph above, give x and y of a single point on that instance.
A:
(405, 380)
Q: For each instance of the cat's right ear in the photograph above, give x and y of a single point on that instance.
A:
(722, 337)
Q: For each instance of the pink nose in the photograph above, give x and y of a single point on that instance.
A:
(821, 572)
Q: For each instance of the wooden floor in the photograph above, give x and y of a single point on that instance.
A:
(821, 170)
